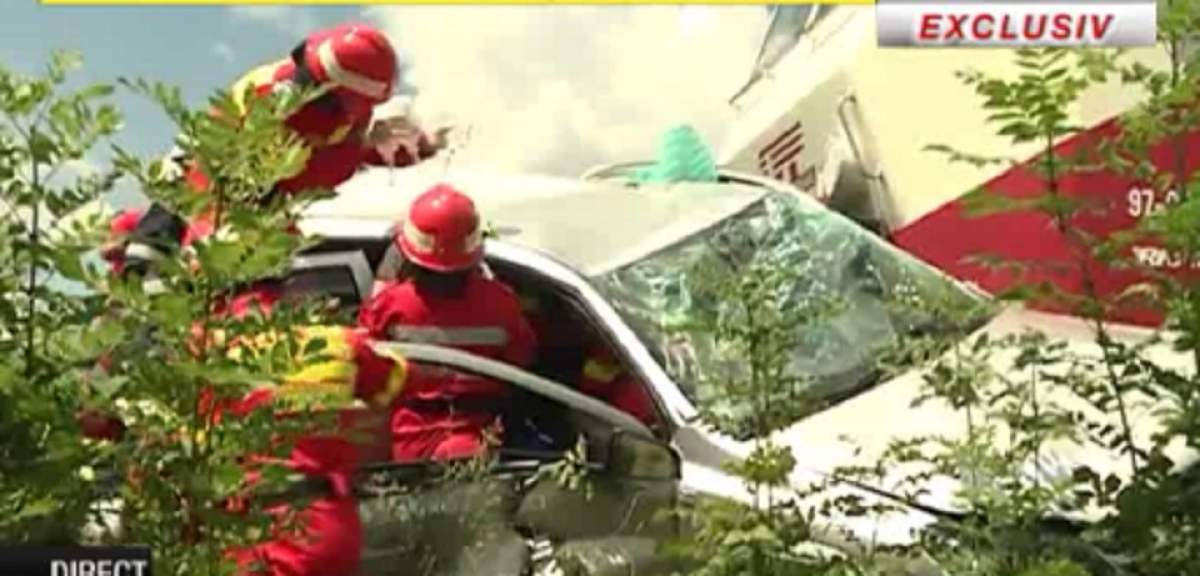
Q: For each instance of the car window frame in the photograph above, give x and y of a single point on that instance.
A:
(673, 408)
(355, 260)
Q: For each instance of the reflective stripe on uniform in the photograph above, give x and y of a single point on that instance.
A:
(346, 78)
(395, 383)
(336, 387)
(261, 76)
(336, 344)
(331, 372)
(265, 76)
(337, 370)
(600, 371)
(338, 136)
(458, 336)
(396, 380)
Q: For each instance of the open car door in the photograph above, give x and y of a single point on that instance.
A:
(603, 508)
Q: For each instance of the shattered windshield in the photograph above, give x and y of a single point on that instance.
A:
(850, 296)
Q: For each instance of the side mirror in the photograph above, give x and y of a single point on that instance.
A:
(631, 456)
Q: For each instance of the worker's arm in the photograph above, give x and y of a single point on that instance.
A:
(345, 368)
(258, 82)
(403, 157)
(399, 142)
(351, 369)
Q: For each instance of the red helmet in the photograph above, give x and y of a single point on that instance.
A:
(356, 58)
(442, 231)
(113, 250)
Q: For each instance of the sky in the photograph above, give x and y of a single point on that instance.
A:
(547, 89)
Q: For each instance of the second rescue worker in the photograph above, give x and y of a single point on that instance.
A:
(442, 296)
(352, 68)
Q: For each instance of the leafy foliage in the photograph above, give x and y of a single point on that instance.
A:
(159, 360)
(45, 130)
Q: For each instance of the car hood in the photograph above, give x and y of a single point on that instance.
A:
(858, 431)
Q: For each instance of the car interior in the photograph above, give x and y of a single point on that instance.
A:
(517, 517)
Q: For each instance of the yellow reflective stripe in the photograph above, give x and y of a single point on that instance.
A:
(254, 343)
(335, 375)
(341, 372)
(337, 389)
(396, 379)
(339, 135)
(259, 76)
(600, 371)
(395, 384)
(336, 344)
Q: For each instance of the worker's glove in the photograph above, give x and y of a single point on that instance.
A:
(391, 134)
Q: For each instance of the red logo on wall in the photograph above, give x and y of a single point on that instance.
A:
(780, 158)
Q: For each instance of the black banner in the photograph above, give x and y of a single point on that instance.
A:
(74, 561)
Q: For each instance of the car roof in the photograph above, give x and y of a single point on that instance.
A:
(593, 226)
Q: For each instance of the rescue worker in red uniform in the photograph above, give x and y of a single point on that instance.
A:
(351, 68)
(443, 296)
(606, 379)
(330, 541)
(113, 249)
(602, 375)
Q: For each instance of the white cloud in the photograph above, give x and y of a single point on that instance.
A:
(287, 20)
(557, 89)
(223, 51)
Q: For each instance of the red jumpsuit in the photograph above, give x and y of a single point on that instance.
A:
(335, 131)
(605, 379)
(443, 415)
(332, 540)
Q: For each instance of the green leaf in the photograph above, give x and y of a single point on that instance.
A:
(108, 386)
(69, 264)
(62, 63)
(227, 479)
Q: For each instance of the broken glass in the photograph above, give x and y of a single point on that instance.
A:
(855, 297)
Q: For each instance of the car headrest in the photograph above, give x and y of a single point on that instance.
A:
(353, 261)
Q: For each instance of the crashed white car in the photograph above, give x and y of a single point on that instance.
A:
(613, 259)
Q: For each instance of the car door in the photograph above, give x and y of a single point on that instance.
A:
(522, 513)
